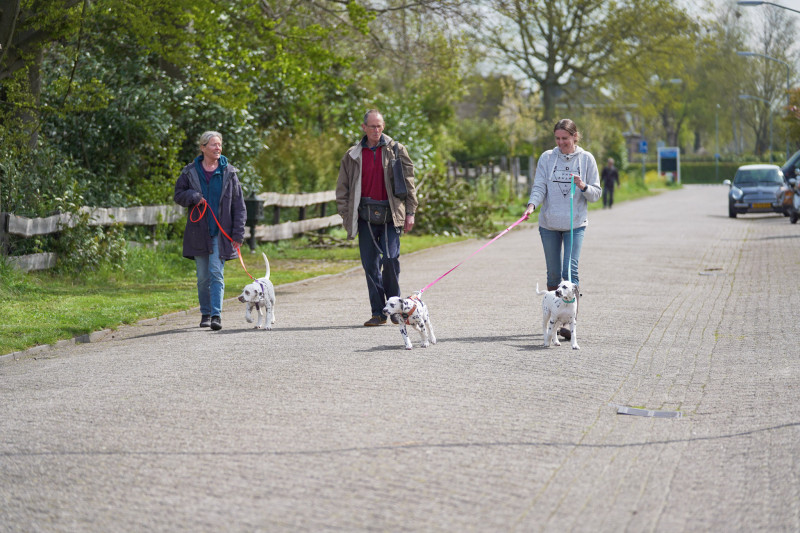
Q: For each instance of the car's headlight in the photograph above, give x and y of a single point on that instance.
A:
(736, 193)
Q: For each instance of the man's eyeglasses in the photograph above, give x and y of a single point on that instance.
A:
(374, 126)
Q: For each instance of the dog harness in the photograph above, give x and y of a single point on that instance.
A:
(263, 288)
(263, 294)
(414, 308)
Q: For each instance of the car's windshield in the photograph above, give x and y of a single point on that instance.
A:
(758, 175)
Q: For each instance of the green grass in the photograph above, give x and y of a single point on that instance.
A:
(45, 307)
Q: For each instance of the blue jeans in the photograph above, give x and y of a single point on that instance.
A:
(557, 260)
(210, 280)
(383, 275)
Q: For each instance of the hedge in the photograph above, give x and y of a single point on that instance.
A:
(697, 171)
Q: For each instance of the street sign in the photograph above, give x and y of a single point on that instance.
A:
(669, 163)
(642, 147)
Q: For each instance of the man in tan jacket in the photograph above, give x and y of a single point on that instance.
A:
(364, 185)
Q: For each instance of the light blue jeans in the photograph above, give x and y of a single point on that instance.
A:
(210, 280)
(557, 259)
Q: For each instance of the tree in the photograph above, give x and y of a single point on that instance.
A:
(768, 77)
(123, 88)
(717, 74)
(570, 49)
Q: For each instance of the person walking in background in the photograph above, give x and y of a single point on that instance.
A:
(211, 178)
(365, 184)
(610, 178)
(551, 190)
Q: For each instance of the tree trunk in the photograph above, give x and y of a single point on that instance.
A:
(30, 117)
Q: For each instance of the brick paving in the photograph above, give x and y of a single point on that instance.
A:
(324, 425)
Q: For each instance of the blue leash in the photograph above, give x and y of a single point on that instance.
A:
(571, 224)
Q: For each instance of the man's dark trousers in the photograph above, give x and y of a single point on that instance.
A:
(608, 196)
(382, 273)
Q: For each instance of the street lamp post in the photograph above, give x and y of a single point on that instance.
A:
(716, 142)
(758, 3)
(769, 108)
(785, 64)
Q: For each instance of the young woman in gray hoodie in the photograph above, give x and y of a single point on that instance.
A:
(551, 191)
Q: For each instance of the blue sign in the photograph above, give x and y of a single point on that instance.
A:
(642, 147)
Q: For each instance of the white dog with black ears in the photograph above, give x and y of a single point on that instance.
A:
(559, 308)
(261, 295)
(411, 311)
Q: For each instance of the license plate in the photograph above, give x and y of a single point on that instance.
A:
(762, 205)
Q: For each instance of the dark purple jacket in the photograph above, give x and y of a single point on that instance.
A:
(231, 213)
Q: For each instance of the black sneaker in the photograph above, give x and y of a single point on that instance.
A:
(395, 320)
(216, 323)
(376, 321)
(564, 332)
(205, 321)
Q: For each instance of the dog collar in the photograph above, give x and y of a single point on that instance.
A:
(568, 301)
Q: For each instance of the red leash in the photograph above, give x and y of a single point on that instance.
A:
(235, 244)
(431, 284)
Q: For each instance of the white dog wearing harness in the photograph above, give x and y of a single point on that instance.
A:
(261, 295)
(411, 311)
(559, 308)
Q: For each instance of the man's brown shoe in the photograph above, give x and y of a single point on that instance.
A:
(376, 321)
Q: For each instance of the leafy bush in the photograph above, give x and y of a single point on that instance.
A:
(450, 208)
(84, 247)
(37, 181)
(288, 164)
(706, 172)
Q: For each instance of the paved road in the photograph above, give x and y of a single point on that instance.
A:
(324, 425)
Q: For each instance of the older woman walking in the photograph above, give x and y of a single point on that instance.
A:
(211, 178)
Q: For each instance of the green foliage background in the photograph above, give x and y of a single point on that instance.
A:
(103, 102)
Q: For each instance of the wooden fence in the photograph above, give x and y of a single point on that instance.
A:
(11, 224)
(518, 176)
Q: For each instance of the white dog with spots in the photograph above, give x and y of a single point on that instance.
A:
(411, 311)
(261, 295)
(559, 308)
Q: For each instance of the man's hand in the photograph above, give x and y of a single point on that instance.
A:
(409, 223)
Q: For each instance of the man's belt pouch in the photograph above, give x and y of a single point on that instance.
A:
(400, 190)
(374, 211)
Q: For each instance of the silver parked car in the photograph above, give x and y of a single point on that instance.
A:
(755, 189)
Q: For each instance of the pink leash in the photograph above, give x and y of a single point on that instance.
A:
(432, 283)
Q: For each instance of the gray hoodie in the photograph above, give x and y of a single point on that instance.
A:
(551, 188)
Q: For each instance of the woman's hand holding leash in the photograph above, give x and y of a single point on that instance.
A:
(579, 183)
(201, 211)
(530, 209)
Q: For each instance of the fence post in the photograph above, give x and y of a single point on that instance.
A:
(3, 234)
(321, 231)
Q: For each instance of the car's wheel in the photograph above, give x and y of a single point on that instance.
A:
(731, 212)
(793, 218)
